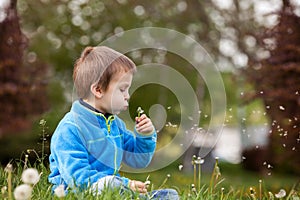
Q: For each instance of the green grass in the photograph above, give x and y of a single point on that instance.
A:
(234, 183)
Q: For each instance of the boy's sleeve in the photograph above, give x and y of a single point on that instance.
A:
(138, 148)
(70, 157)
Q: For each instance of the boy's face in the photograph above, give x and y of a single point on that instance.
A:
(115, 98)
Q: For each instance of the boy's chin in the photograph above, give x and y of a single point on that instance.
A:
(116, 112)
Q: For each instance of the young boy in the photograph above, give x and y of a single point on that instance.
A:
(90, 142)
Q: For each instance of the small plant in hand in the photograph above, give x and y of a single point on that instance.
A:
(139, 111)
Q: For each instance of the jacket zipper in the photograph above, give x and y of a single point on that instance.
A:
(108, 122)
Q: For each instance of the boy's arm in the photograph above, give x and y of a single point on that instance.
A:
(138, 148)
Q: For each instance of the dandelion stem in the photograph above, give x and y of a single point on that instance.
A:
(213, 176)
(194, 173)
(199, 177)
(9, 185)
(260, 190)
(165, 181)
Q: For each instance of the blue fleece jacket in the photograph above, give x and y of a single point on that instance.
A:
(87, 146)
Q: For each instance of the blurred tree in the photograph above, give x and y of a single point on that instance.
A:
(22, 87)
(261, 39)
(276, 78)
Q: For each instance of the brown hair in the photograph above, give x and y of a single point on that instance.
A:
(98, 65)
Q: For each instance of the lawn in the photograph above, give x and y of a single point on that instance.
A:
(233, 182)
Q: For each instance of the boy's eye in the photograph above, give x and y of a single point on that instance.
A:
(122, 90)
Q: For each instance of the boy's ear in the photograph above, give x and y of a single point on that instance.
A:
(96, 90)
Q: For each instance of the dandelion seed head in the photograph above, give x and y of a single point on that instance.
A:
(3, 189)
(23, 192)
(30, 176)
(168, 175)
(8, 168)
(280, 194)
(271, 195)
(147, 182)
(60, 191)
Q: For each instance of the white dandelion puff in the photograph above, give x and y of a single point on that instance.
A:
(147, 182)
(199, 161)
(60, 191)
(8, 168)
(280, 194)
(23, 192)
(30, 176)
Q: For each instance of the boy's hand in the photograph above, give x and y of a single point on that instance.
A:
(144, 124)
(138, 186)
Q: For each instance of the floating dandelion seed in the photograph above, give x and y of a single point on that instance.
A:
(281, 108)
(23, 192)
(30, 176)
(180, 167)
(280, 194)
(267, 107)
(242, 93)
(169, 107)
(269, 166)
(60, 191)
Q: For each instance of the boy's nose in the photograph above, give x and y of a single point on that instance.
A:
(126, 96)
